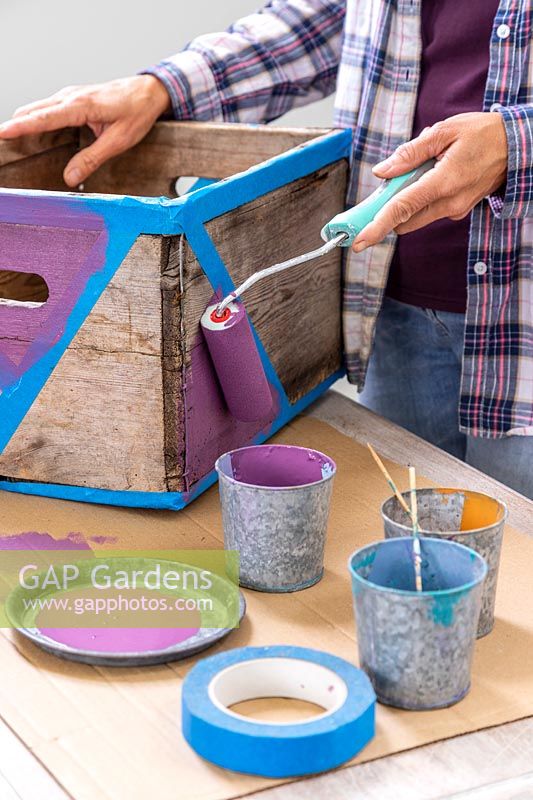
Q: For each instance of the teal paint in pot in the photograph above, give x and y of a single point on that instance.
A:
(443, 610)
(417, 647)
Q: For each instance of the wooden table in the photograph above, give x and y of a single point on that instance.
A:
(493, 764)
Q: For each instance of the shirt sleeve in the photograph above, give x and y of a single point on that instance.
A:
(285, 55)
(516, 198)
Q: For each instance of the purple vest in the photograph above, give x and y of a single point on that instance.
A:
(429, 265)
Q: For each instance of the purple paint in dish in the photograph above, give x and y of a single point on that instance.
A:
(119, 640)
(276, 466)
(104, 640)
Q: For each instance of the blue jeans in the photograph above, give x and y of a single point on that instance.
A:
(414, 379)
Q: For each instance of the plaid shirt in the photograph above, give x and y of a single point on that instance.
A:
(293, 52)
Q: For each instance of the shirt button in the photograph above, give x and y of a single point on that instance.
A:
(503, 31)
(496, 106)
(480, 268)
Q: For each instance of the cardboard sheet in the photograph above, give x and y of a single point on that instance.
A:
(115, 733)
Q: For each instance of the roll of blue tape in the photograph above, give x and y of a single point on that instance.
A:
(277, 750)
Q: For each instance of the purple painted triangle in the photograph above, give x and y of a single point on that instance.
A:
(65, 258)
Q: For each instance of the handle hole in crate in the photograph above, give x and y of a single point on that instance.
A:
(25, 289)
(184, 185)
(187, 184)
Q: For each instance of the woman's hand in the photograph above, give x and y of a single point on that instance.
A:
(472, 163)
(120, 113)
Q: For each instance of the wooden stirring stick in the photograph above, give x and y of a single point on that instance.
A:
(413, 512)
(416, 533)
(388, 478)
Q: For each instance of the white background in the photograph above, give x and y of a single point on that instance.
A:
(48, 44)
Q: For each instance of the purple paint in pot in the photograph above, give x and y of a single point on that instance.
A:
(276, 466)
(275, 508)
(119, 640)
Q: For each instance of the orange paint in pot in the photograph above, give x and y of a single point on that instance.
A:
(458, 515)
(479, 510)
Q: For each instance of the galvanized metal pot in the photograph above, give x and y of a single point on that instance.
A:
(275, 507)
(470, 518)
(417, 647)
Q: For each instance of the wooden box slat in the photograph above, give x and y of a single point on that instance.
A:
(171, 151)
(21, 149)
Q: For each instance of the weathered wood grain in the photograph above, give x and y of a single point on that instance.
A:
(173, 403)
(40, 171)
(297, 313)
(520, 788)
(37, 162)
(173, 150)
(19, 149)
(169, 151)
(487, 765)
(99, 421)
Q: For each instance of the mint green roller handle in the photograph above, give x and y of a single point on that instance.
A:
(352, 221)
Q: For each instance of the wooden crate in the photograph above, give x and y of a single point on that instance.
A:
(107, 392)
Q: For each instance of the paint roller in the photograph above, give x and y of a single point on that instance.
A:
(227, 329)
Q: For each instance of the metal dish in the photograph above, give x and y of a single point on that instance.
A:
(201, 640)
